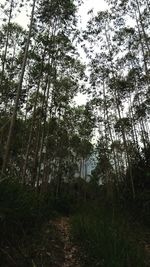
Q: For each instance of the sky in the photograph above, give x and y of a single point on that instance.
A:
(96, 5)
(87, 5)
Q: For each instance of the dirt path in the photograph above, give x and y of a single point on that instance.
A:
(70, 250)
(51, 246)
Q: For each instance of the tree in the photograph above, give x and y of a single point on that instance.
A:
(13, 119)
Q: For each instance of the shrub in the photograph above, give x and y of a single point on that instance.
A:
(106, 241)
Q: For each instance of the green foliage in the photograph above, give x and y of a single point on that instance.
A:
(23, 209)
(106, 241)
(17, 204)
(25, 229)
(49, 205)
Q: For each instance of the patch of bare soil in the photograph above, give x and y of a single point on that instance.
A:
(70, 250)
(50, 247)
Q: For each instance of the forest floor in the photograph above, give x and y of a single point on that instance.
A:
(69, 250)
(141, 235)
(58, 250)
(63, 252)
(53, 246)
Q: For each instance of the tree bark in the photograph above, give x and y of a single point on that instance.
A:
(14, 115)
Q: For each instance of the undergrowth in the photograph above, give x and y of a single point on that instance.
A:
(103, 234)
(106, 239)
(23, 214)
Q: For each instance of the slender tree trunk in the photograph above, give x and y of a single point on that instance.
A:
(32, 122)
(43, 136)
(13, 119)
(148, 5)
(120, 117)
(35, 160)
(7, 41)
(142, 45)
(142, 27)
(110, 132)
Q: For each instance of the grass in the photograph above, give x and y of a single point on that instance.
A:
(104, 236)
(23, 213)
(25, 233)
(106, 239)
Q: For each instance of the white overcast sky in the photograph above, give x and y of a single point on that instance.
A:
(96, 5)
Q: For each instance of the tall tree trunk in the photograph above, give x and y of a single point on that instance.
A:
(120, 117)
(13, 119)
(32, 122)
(7, 40)
(142, 26)
(110, 132)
